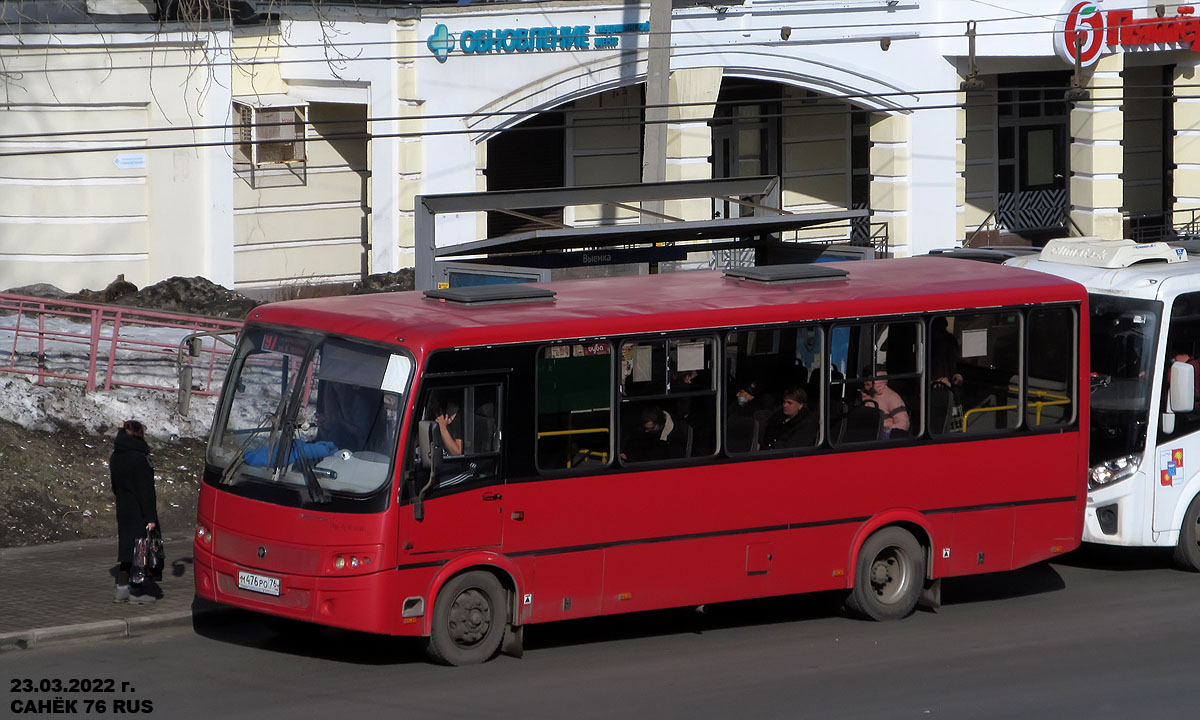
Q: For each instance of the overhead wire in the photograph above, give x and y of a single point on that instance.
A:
(816, 100)
(480, 117)
(182, 29)
(343, 58)
(641, 122)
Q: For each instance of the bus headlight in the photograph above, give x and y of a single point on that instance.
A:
(1114, 471)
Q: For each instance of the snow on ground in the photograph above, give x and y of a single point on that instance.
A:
(144, 356)
(101, 412)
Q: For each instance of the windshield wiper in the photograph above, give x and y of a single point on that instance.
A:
(240, 456)
(316, 493)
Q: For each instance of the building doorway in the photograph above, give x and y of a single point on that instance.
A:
(1031, 153)
(745, 136)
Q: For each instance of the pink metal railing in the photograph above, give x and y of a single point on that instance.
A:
(107, 337)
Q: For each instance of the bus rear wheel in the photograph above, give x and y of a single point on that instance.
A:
(1187, 551)
(468, 619)
(891, 571)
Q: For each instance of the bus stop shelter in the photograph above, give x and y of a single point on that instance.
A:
(759, 223)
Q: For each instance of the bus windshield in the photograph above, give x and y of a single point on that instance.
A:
(1124, 334)
(319, 414)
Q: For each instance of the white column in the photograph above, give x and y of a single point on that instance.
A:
(890, 185)
(218, 166)
(689, 135)
(1097, 159)
(933, 150)
(1186, 181)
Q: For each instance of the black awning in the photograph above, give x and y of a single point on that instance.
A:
(647, 234)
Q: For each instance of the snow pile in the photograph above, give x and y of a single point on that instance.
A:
(102, 412)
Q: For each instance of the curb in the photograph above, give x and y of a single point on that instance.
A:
(39, 637)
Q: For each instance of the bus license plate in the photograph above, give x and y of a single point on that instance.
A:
(258, 583)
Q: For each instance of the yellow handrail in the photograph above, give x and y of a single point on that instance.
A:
(559, 433)
(994, 408)
(1060, 400)
(603, 456)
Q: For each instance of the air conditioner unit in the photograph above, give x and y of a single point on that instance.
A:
(269, 130)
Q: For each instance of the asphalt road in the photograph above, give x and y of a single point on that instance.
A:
(1103, 634)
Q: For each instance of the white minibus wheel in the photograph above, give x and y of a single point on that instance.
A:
(1187, 551)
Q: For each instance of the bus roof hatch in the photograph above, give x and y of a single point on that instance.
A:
(799, 272)
(489, 294)
(1097, 252)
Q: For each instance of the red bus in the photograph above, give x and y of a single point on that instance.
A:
(457, 464)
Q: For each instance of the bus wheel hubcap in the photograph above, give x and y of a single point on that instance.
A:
(470, 617)
(888, 575)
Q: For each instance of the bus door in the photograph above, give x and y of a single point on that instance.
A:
(454, 488)
(1177, 457)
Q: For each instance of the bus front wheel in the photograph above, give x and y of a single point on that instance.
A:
(1187, 551)
(891, 571)
(468, 619)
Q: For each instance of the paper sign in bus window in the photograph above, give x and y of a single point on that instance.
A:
(643, 365)
(689, 356)
(974, 343)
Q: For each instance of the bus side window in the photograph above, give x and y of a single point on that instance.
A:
(1050, 373)
(668, 407)
(765, 368)
(465, 425)
(1183, 344)
(974, 373)
(875, 391)
(574, 394)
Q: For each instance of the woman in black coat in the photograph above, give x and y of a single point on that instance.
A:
(133, 485)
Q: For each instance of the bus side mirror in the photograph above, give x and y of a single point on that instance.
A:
(429, 456)
(185, 389)
(425, 430)
(1183, 387)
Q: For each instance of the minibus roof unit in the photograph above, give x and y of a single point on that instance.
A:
(1100, 253)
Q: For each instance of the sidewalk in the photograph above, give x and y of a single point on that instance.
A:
(64, 591)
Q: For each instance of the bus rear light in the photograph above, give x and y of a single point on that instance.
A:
(345, 561)
(204, 534)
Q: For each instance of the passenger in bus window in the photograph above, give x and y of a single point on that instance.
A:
(795, 425)
(687, 381)
(451, 427)
(747, 417)
(649, 441)
(1180, 352)
(944, 354)
(895, 415)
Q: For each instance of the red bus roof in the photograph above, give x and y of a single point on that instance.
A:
(653, 303)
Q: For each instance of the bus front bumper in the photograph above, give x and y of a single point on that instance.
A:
(357, 602)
